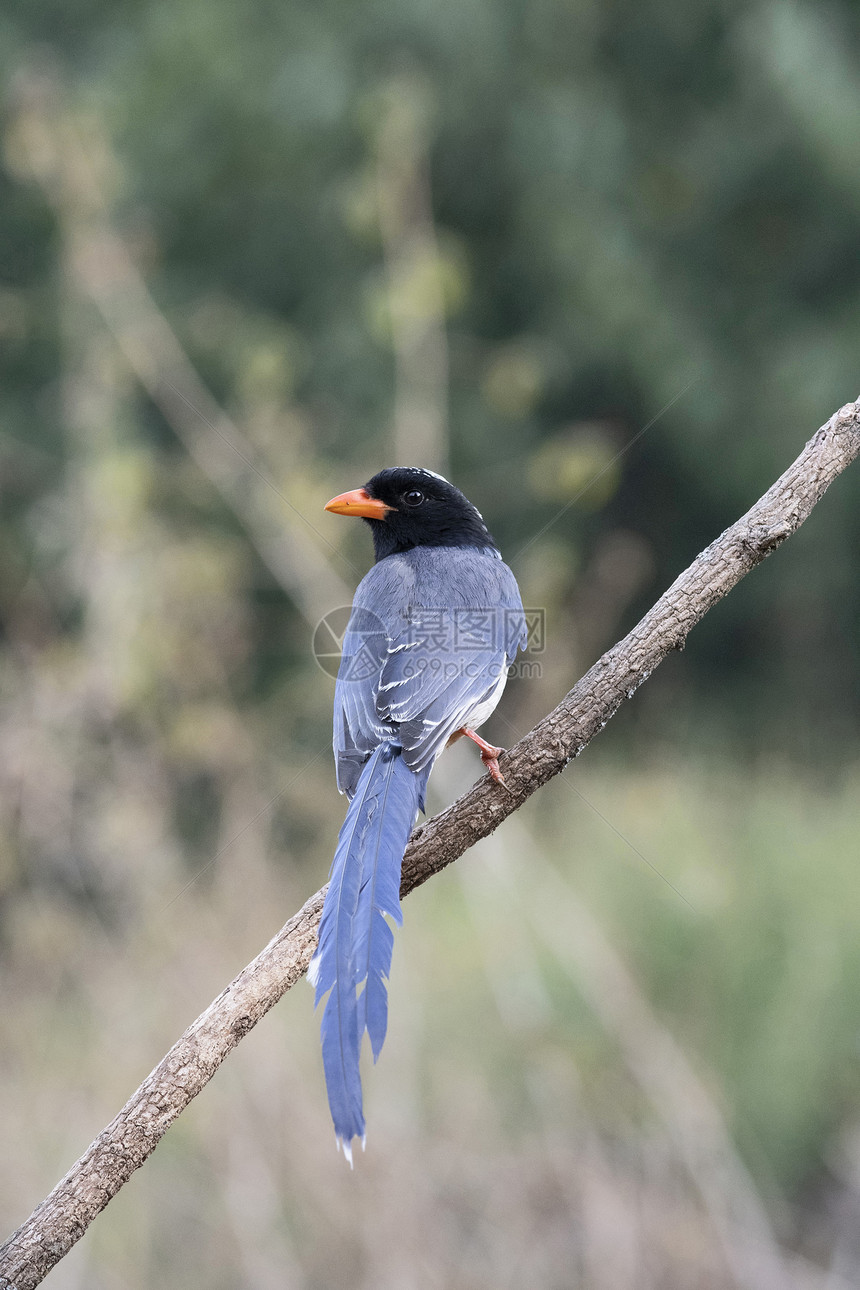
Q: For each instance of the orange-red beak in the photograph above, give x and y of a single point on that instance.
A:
(358, 502)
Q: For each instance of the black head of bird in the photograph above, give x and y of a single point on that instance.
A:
(407, 507)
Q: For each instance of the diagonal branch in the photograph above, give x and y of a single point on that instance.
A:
(63, 1217)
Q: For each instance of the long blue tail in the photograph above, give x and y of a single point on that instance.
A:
(355, 941)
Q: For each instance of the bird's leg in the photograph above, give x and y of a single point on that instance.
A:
(489, 754)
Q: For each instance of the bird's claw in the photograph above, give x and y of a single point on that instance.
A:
(491, 761)
(489, 754)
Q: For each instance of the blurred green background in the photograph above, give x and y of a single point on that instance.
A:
(601, 264)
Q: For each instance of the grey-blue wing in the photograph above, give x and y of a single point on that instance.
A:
(453, 622)
(357, 727)
(451, 666)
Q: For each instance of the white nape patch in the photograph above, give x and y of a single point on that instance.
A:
(314, 971)
(422, 470)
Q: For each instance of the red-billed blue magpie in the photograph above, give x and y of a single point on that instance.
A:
(434, 627)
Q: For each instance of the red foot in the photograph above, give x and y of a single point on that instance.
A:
(489, 753)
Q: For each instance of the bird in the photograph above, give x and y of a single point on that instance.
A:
(434, 628)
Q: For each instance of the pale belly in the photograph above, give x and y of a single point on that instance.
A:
(484, 710)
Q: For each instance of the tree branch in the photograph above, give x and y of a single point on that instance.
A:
(63, 1217)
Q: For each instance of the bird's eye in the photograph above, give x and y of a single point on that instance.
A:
(413, 497)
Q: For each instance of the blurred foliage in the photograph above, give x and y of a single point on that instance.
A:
(628, 238)
(636, 206)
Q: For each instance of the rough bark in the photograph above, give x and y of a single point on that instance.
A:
(63, 1217)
